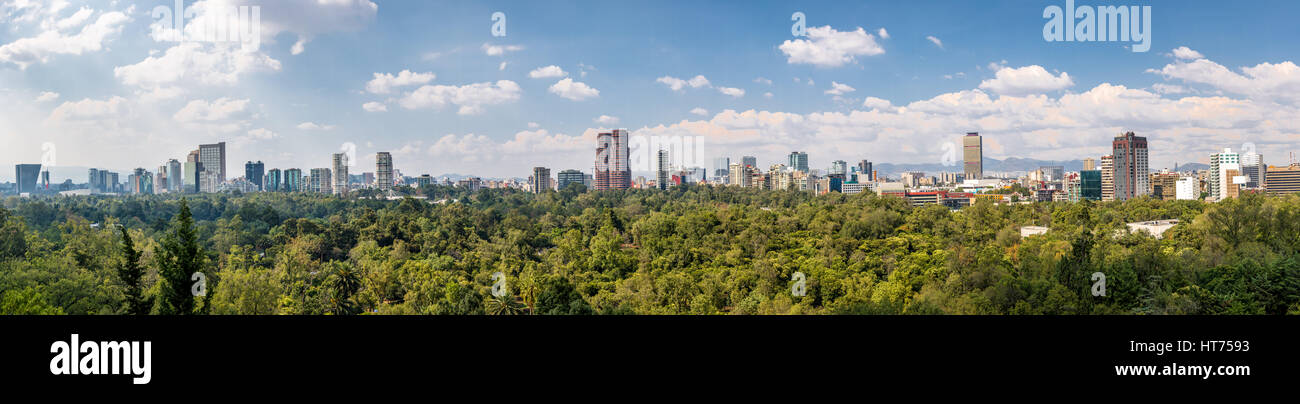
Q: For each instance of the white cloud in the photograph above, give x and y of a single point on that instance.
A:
(498, 50)
(305, 19)
(25, 52)
(262, 134)
(315, 126)
(374, 107)
(840, 89)
(876, 103)
(471, 98)
(1163, 88)
(502, 66)
(883, 34)
(216, 110)
(1265, 81)
(767, 95)
(677, 84)
(385, 83)
(573, 90)
(534, 125)
(88, 109)
(547, 72)
(1026, 80)
(826, 47)
(700, 111)
(47, 96)
(195, 63)
(607, 120)
(1185, 53)
(761, 80)
(935, 41)
(732, 91)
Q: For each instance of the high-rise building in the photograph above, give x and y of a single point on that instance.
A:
(274, 179)
(1164, 186)
(255, 173)
(973, 155)
(1107, 178)
(192, 171)
(1187, 189)
(213, 157)
(1131, 170)
(661, 177)
(384, 171)
(613, 170)
(340, 166)
(750, 161)
(293, 180)
(720, 167)
(1252, 166)
(26, 175)
(175, 176)
(1219, 181)
(540, 181)
(45, 180)
(1090, 185)
(798, 161)
(865, 168)
(1283, 180)
(566, 177)
(1089, 164)
(839, 167)
(320, 181)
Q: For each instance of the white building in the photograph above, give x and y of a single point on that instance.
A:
(1188, 189)
(1220, 163)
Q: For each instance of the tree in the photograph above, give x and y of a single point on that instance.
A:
(129, 273)
(180, 258)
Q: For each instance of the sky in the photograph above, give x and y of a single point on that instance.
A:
(448, 88)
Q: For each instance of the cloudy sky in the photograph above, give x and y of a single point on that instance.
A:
(107, 86)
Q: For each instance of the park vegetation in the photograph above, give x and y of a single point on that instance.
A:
(688, 250)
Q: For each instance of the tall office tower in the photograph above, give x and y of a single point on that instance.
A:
(320, 181)
(1089, 164)
(1283, 180)
(45, 180)
(274, 179)
(1164, 186)
(864, 168)
(749, 161)
(1187, 189)
(384, 171)
(110, 181)
(721, 165)
(566, 177)
(798, 161)
(1090, 185)
(255, 173)
(160, 180)
(213, 157)
(1107, 178)
(661, 177)
(95, 185)
(1132, 176)
(175, 176)
(140, 179)
(738, 177)
(26, 175)
(1218, 182)
(193, 169)
(613, 170)
(839, 167)
(541, 180)
(293, 180)
(973, 156)
(1252, 166)
(340, 185)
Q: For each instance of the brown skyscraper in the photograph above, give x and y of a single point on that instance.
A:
(613, 170)
(973, 156)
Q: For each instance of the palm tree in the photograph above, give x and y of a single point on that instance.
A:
(504, 306)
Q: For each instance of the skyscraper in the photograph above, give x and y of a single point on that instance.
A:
(213, 158)
(839, 167)
(1089, 164)
(255, 173)
(26, 175)
(175, 176)
(613, 170)
(293, 180)
(1219, 179)
(749, 161)
(1252, 166)
(1107, 178)
(340, 184)
(798, 161)
(274, 180)
(1090, 185)
(540, 181)
(1132, 175)
(193, 170)
(661, 179)
(720, 167)
(320, 181)
(384, 171)
(566, 177)
(865, 171)
(973, 156)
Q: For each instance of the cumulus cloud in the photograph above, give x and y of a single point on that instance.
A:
(39, 49)
(1185, 53)
(732, 91)
(700, 111)
(498, 50)
(470, 98)
(374, 107)
(384, 83)
(826, 47)
(607, 120)
(1026, 80)
(216, 110)
(677, 84)
(192, 62)
(876, 103)
(934, 40)
(573, 90)
(1264, 81)
(315, 126)
(89, 109)
(47, 96)
(839, 89)
(547, 72)
(883, 34)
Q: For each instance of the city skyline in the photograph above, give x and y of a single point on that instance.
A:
(452, 98)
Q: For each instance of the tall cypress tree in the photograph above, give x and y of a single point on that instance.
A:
(180, 259)
(129, 272)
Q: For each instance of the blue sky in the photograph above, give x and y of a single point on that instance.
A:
(105, 93)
